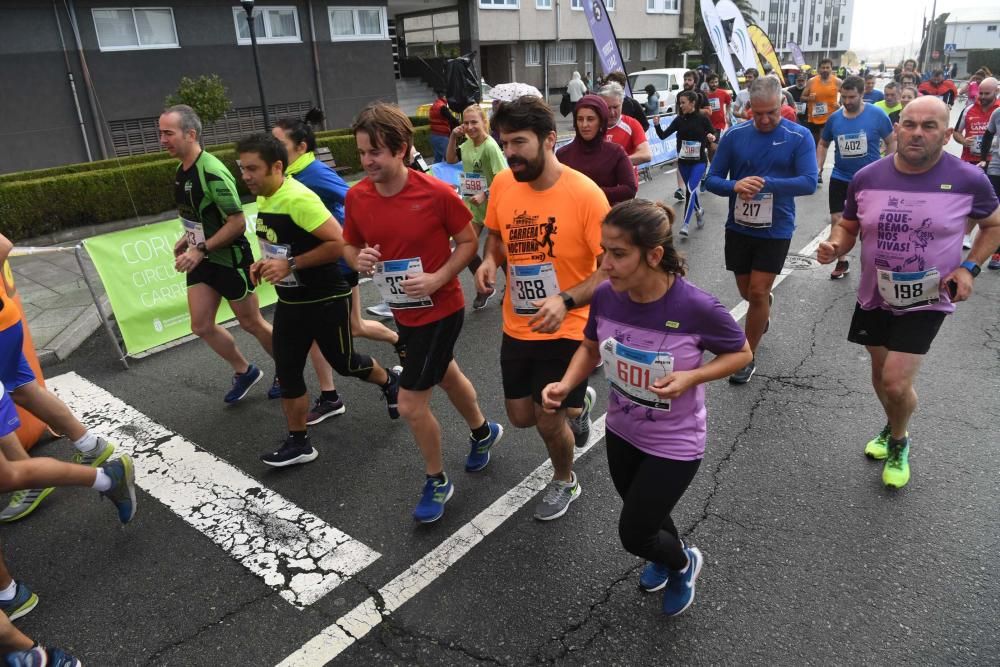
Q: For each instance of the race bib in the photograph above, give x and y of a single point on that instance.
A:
(194, 232)
(755, 213)
(472, 184)
(853, 145)
(800, 108)
(631, 372)
(691, 150)
(977, 146)
(903, 291)
(278, 251)
(713, 102)
(530, 283)
(819, 108)
(388, 278)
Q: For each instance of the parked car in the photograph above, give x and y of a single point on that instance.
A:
(666, 81)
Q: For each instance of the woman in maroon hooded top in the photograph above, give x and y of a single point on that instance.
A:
(605, 162)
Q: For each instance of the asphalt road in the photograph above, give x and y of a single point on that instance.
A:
(809, 559)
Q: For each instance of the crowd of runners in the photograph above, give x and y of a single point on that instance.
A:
(590, 275)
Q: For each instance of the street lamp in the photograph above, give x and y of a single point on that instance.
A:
(251, 25)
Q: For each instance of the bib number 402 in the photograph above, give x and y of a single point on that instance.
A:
(531, 290)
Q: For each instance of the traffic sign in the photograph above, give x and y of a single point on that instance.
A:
(950, 48)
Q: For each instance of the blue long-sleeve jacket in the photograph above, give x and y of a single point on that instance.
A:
(785, 158)
(325, 182)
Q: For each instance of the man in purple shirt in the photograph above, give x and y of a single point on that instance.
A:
(911, 209)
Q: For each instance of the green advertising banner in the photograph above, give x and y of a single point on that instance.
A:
(148, 297)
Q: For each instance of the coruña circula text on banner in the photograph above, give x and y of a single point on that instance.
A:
(604, 38)
(148, 297)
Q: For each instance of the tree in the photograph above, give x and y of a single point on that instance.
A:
(206, 95)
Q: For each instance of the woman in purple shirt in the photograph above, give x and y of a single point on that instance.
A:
(651, 327)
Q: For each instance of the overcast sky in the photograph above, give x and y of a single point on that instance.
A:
(880, 23)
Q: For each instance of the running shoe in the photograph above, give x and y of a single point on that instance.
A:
(479, 450)
(680, 587)
(22, 602)
(654, 577)
(743, 375)
(432, 499)
(122, 491)
(896, 472)
(290, 453)
(967, 242)
(557, 498)
(699, 217)
(23, 503)
(482, 299)
(684, 231)
(391, 394)
(878, 447)
(323, 410)
(994, 262)
(581, 425)
(274, 391)
(40, 656)
(242, 382)
(97, 456)
(820, 179)
(679, 194)
(380, 310)
(842, 268)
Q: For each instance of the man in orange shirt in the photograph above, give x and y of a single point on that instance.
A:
(544, 221)
(821, 94)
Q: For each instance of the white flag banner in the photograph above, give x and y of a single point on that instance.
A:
(716, 33)
(741, 43)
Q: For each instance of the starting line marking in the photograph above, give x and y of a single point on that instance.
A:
(292, 550)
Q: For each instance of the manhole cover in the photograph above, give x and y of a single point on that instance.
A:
(800, 262)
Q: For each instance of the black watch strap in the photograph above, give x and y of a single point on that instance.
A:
(568, 300)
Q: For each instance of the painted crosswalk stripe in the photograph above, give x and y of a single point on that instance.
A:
(292, 550)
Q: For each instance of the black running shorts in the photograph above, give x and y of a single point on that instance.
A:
(233, 283)
(748, 253)
(838, 194)
(912, 333)
(527, 366)
(430, 348)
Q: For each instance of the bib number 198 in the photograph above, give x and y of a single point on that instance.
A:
(911, 291)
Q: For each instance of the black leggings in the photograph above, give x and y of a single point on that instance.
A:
(650, 487)
(297, 325)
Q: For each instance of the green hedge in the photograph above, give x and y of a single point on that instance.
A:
(45, 205)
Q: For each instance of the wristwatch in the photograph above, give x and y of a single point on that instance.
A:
(568, 301)
(971, 267)
(202, 247)
(291, 264)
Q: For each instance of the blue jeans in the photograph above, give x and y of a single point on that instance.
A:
(440, 146)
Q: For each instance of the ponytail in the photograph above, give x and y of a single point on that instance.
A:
(300, 130)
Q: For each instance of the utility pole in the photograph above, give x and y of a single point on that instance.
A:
(929, 44)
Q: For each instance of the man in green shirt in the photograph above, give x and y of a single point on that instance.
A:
(213, 251)
(890, 105)
(300, 244)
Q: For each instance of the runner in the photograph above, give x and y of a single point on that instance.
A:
(761, 166)
(398, 223)
(741, 107)
(482, 160)
(656, 422)
(719, 100)
(300, 244)
(872, 95)
(300, 142)
(969, 129)
(796, 91)
(694, 134)
(990, 160)
(630, 106)
(213, 251)
(625, 130)
(939, 87)
(906, 95)
(545, 221)
(604, 162)
(858, 130)
(910, 210)
(890, 104)
(821, 94)
(703, 106)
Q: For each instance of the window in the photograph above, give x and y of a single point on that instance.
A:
(273, 25)
(663, 6)
(841, 37)
(563, 53)
(610, 5)
(991, 28)
(127, 29)
(626, 49)
(543, 4)
(499, 4)
(647, 49)
(532, 54)
(348, 24)
(793, 16)
(576, 5)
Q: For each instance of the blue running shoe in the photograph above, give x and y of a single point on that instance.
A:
(275, 391)
(432, 500)
(390, 393)
(242, 382)
(122, 491)
(654, 577)
(41, 657)
(479, 450)
(680, 586)
(22, 602)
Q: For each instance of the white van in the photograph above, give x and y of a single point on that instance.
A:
(666, 81)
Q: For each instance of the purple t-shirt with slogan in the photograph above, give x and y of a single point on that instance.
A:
(911, 230)
(638, 342)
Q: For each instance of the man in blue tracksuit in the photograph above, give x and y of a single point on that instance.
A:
(761, 166)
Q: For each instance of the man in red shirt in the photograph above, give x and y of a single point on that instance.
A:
(442, 122)
(719, 101)
(625, 130)
(939, 87)
(398, 223)
(974, 119)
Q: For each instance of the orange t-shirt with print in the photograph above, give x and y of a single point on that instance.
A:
(826, 95)
(557, 230)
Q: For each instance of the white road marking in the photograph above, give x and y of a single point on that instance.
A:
(355, 624)
(291, 549)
